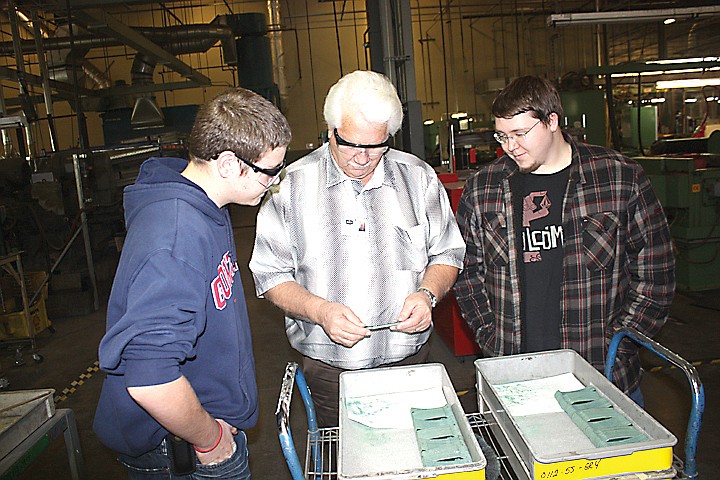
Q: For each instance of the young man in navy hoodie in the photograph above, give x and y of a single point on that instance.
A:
(180, 386)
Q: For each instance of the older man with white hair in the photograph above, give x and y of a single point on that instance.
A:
(357, 245)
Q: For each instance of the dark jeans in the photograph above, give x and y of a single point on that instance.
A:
(637, 397)
(155, 465)
(324, 383)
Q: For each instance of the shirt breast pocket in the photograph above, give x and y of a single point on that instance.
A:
(411, 248)
(495, 239)
(599, 240)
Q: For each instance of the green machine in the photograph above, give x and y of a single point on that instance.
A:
(647, 132)
(585, 115)
(688, 187)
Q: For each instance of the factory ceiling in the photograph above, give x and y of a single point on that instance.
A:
(97, 23)
(468, 8)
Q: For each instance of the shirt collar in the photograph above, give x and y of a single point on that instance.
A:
(575, 171)
(383, 175)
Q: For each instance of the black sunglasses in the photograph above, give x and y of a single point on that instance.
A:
(342, 141)
(270, 172)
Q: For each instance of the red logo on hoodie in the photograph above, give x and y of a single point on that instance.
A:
(222, 284)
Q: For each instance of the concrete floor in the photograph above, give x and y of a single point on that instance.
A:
(70, 356)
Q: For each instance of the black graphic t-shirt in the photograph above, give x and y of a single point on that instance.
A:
(542, 243)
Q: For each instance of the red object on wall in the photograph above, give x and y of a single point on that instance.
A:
(448, 320)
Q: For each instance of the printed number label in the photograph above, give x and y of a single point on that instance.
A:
(695, 187)
(572, 470)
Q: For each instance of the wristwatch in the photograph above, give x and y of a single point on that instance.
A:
(433, 298)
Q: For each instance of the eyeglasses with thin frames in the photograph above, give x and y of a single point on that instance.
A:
(350, 149)
(273, 173)
(517, 136)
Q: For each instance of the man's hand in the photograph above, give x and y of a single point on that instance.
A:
(416, 314)
(224, 449)
(341, 324)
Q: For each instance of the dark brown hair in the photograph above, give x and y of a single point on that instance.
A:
(238, 121)
(528, 94)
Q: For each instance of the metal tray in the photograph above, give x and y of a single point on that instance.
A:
(387, 448)
(21, 413)
(549, 444)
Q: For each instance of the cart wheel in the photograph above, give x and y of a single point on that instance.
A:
(4, 383)
(38, 358)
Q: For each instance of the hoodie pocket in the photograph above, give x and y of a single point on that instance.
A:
(599, 240)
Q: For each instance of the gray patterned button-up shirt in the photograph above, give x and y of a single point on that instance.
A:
(368, 250)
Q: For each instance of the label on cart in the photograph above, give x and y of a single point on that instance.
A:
(474, 475)
(640, 461)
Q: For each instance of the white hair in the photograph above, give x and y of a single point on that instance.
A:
(367, 95)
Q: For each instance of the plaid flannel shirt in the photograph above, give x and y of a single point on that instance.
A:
(618, 265)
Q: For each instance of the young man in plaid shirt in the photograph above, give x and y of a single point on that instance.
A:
(566, 242)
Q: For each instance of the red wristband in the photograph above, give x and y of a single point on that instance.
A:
(217, 442)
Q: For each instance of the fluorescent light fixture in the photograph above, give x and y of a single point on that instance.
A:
(669, 21)
(691, 100)
(629, 16)
(657, 100)
(687, 83)
(429, 121)
(667, 72)
(684, 60)
(459, 115)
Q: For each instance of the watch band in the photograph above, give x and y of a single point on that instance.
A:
(431, 295)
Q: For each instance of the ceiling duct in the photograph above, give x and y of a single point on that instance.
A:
(66, 55)
(176, 40)
(146, 113)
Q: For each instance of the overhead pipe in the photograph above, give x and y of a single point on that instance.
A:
(28, 107)
(278, 51)
(83, 135)
(174, 35)
(47, 94)
(95, 75)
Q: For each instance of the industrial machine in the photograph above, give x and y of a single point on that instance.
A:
(69, 193)
(688, 187)
(584, 114)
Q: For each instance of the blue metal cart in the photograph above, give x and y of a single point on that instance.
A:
(320, 455)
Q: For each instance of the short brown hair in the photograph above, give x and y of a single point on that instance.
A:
(528, 94)
(238, 121)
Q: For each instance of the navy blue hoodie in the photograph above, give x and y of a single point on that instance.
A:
(177, 307)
